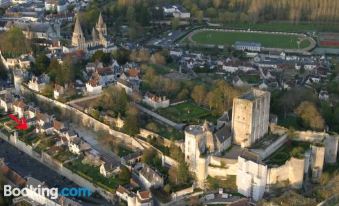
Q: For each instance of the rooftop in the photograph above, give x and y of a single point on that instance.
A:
(253, 94)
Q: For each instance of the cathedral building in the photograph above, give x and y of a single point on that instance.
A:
(98, 41)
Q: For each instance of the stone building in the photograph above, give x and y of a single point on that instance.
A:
(201, 142)
(317, 161)
(331, 149)
(251, 178)
(99, 36)
(250, 117)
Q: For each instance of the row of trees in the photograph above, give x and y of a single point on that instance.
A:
(219, 98)
(13, 43)
(304, 104)
(265, 10)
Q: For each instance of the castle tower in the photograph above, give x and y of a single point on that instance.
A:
(250, 117)
(78, 38)
(101, 26)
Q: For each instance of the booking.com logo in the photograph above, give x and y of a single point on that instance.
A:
(52, 193)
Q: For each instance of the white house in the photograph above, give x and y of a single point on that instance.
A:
(56, 5)
(150, 178)
(93, 86)
(156, 101)
(38, 83)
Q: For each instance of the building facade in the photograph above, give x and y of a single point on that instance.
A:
(99, 35)
(250, 117)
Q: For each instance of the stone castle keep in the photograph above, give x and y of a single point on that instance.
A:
(209, 150)
(250, 117)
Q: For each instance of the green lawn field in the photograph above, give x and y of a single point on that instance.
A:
(187, 112)
(267, 40)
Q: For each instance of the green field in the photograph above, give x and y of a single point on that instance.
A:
(267, 40)
(187, 112)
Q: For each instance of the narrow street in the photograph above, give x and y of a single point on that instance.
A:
(26, 166)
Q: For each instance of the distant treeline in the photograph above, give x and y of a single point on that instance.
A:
(264, 10)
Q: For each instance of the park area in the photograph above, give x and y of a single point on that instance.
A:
(187, 112)
(229, 37)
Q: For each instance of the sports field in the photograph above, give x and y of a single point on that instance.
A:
(269, 40)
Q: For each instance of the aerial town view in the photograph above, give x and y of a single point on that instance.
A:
(169, 102)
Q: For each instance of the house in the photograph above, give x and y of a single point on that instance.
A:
(323, 95)
(107, 169)
(150, 177)
(22, 62)
(247, 46)
(77, 145)
(92, 157)
(58, 91)
(38, 83)
(46, 128)
(156, 101)
(106, 75)
(6, 101)
(56, 5)
(123, 193)
(91, 66)
(58, 126)
(93, 86)
(37, 30)
(176, 11)
(43, 118)
(19, 108)
(144, 198)
(141, 198)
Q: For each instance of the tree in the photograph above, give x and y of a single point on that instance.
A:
(105, 58)
(175, 22)
(14, 43)
(121, 55)
(41, 64)
(3, 72)
(54, 69)
(131, 125)
(152, 127)
(158, 58)
(124, 175)
(114, 99)
(311, 117)
(148, 155)
(199, 94)
(179, 175)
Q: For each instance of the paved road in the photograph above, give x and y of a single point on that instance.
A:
(26, 166)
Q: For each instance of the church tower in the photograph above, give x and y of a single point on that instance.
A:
(78, 38)
(101, 26)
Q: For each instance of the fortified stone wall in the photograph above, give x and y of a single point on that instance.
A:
(85, 119)
(310, 136)
(292, 171)
(264, 153)
(331, 149)
(60, 169)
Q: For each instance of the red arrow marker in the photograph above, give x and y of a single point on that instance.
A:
(22, 123)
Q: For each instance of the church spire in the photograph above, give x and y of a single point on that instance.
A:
(78, 38)
(94, 34)
(101, 26)
(77, 26)
(100, 21)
